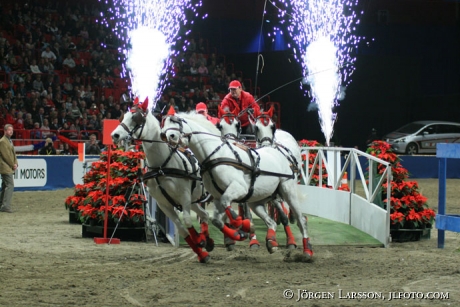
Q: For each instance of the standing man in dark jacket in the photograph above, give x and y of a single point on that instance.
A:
(8, 164)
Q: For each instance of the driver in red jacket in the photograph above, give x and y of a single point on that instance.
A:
(241, 101)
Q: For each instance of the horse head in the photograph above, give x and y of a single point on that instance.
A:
(264, 128)
(172, 128)
(229, 124)
(131, 122)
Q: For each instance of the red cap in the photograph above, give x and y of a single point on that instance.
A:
(234, 84)
(201, 106)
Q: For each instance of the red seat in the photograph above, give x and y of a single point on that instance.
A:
(108, 92)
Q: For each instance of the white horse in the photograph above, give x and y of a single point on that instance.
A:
(233, 173)
(172, 178)
(230, 128)
(264, 128)
(267, 135)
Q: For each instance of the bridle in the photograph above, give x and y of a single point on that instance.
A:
(229, 119)
(180, 122)
(139, 118)
(265, 120)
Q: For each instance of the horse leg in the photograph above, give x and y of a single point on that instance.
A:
(199, 239)
(204, 219)
(169, 211)
(270, 240)
(289, 192)
(241, 211)
(235, 191)
(290, 240)
(203, 257)
(229, 232)
(245, 212)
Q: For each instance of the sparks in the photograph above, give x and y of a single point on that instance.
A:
(149, 30)
(323, 34)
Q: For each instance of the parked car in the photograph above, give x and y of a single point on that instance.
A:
(422, 136)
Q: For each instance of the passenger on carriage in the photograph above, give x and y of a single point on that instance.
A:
(243, 102)
(201, 108)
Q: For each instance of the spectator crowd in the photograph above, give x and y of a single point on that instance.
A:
(61, 72)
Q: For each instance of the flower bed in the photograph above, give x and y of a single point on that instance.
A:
(409, 208)
(311, 159)
(90, 199)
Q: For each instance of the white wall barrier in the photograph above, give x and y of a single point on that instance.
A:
(56, 172)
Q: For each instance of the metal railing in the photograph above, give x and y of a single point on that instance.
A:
(336, 161)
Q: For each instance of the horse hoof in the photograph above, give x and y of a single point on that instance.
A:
(254, 244)
(291, 246)
(205, 259)
(230, 247)
(307, 257)
(209, 244)
(272, 246)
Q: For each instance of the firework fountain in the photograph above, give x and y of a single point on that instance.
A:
(322, 31)
(149, 29)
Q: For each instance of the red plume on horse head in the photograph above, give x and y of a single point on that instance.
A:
(265, 117)
(143, 105)
(270, 112)
(229, 116)
(171, 111)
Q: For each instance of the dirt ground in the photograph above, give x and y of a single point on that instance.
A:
(44, 261)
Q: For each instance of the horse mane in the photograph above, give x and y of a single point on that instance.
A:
(201, 120)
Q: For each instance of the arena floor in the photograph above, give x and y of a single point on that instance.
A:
(44, 261)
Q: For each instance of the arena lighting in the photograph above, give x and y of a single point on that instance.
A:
(322, 31)
(149, 30)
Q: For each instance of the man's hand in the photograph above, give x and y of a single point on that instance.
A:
(15, 167)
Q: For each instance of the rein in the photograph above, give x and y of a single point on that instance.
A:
(137, 127)
(156, 172)
(208, 164)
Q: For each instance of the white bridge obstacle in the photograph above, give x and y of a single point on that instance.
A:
(363, 213)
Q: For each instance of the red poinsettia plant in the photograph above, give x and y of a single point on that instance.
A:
(409, 208)
(311, 159)
(90, 198)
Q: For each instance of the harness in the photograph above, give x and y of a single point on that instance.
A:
(156, 172)
(208, 163)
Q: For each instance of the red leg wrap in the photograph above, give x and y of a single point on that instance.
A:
(253, 241)
(307, 249)
(235, 220)
(271, 235)
(233, 234)
(200, 239)
(289, 236)
(204, 229)
(246, 225)
(203, 256)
